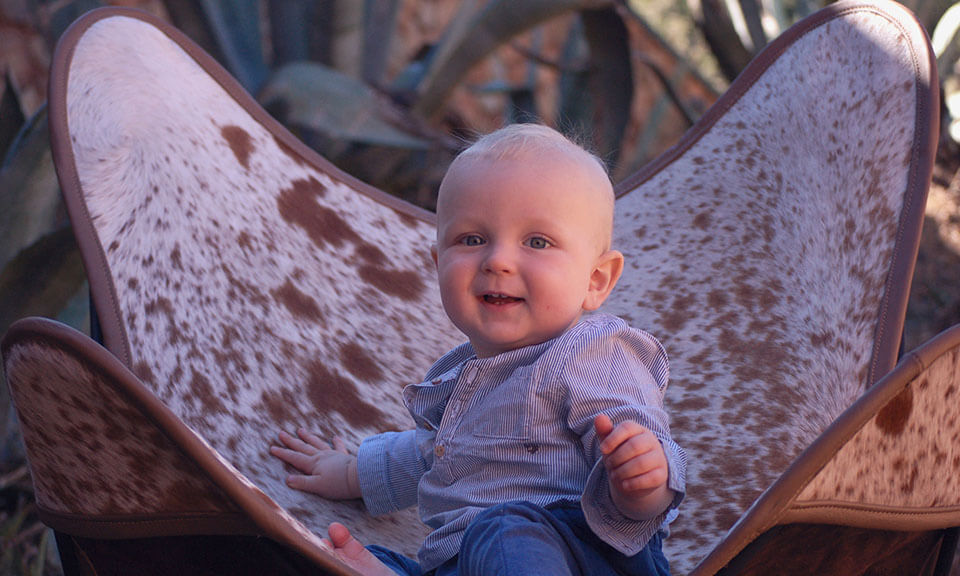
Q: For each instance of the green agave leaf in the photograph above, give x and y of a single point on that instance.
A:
(946, 45)
(236, 26)
(474, 34)
(11, 116)
(310, 97)
(612, 83)
(721, 36)
(928, 12)
(42, 279)
(293, 25)
(750, 16)
(379, 18)
(29, 191)
(946, 40)
(346, 37)
(40, 560)
(64, 15)
(188, 16)
(575, 111)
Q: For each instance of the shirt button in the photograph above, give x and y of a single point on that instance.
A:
(438, 451)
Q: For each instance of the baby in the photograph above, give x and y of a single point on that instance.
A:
(541, 445)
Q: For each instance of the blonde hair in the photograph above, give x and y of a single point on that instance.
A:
(514, 139)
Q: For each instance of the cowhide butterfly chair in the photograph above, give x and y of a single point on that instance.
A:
(244, 285)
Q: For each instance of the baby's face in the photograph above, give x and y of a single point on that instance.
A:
(518, 243)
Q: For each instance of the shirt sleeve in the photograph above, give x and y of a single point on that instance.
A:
(389, 467)
(621, 372)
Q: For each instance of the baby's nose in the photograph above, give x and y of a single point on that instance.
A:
(499, 260)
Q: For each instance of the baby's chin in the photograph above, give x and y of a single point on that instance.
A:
(487, 348)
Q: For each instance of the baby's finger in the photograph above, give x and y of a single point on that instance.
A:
(653, 478)
(339, 445)
(635, 466)
(298, 460)
(602, 425)
(292, 442)
(633, 447)
(312, 439)
(301, 482)
(620, 434)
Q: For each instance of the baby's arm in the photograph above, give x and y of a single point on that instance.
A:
(328, 471)
(636, 468)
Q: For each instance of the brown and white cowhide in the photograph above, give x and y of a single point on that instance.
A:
(906, 460)
(765, 255)
(110, 461)
(90, 452)
(251, 289)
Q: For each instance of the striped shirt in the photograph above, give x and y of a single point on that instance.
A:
(519, 426)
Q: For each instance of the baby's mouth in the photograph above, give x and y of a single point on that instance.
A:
(500, 299)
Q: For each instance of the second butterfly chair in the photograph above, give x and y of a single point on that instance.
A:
(245, 285)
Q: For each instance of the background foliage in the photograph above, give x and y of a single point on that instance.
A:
(388, 90)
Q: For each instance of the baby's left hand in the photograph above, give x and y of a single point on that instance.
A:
(636, 467)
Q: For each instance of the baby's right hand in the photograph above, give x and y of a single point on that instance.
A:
(327, 471)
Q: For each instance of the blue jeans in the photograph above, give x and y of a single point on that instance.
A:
(520, 538)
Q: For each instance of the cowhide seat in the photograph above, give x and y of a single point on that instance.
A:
(243, 285)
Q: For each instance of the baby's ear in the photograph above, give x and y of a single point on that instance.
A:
(605, 274)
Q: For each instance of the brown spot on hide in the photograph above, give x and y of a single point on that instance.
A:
(359, 363)
(163, 306)
(279, 405)
(406, 285)
(240, 143)
(408, 220)
(176, 258)
(331, 392)
(298, 205)
(717, 299)
(755, 358)
(228, 355)
(144, 373)
(245, 241)
(702, 220)
(300, 304)
(371, 254)
(893, 418)
(676, 317)
(203, 393)
(243, 289)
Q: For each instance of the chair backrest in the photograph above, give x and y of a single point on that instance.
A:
(248, 282)
(253, 286)
(772, 250)
(878, 492)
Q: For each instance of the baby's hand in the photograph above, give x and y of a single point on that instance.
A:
(327, 471)
(636, 467)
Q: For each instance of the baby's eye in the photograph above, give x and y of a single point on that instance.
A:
(471, 240)
(538, 243)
